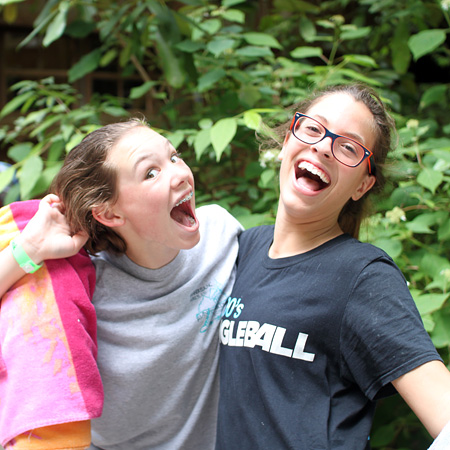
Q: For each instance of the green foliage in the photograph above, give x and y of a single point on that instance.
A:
(50, 124)
(215, 71)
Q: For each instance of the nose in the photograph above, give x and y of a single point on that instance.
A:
(324, 147)
(181, 175)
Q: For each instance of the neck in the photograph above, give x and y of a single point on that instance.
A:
(151, 257)
(292, 238)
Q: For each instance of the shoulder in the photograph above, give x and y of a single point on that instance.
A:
(262, 232)
(360, 254)
(218, 216)
(254, 239)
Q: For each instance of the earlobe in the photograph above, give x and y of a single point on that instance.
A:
(107, 216)
(365, 186)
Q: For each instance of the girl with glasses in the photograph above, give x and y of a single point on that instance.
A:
(327, 325)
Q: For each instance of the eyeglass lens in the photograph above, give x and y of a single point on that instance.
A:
(345, 150)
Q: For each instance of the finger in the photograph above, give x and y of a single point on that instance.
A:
(80, 238)
(53, 201)
(50, 199)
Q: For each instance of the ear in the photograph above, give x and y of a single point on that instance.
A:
(366, 184)
(107, 216)
(286, 138)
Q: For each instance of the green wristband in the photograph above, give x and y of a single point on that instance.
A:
(24, 261)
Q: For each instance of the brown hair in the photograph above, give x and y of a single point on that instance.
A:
(354, 212)
(86, 181)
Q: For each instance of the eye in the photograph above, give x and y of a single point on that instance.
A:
(152, 173)
(175, 157)
(314, 129)
(310, 127)
(348, 147)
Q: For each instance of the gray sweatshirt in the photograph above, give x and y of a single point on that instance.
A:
(158, 342)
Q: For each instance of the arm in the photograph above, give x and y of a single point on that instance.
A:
(426, 389)
(442, 442)
(46, 236)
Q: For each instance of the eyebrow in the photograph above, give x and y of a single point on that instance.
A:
(152, 155)
(141, 159)
(351, 135)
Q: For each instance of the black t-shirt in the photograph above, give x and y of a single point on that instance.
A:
(309, 343)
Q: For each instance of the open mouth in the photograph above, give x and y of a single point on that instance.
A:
(182, 212)
(312, 177)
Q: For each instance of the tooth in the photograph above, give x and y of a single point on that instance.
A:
(192, 220)
(314, 170)
(188, 197)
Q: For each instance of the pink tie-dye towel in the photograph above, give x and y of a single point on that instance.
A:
(48, 370)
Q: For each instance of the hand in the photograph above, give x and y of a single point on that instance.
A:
(47, 235)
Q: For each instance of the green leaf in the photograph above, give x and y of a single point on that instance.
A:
(56, 28)
(433, 95)
(189, 46)
(201, 142)
(88, 63)
(401, 55)
(219, 46)
(427, 303)
(425, 42)
(421, 224)
(254, 52)
(37, 29)
(29, 174)
(433, 265)
(49, 173)
(12, 194)
(49, 121)
(249, 95)
(141, 90)
(234, 15)
(79, 29)
(444, 231)
(20, 151)
(261, 39)
(222, 133)
(74, 141)
(228, 3)
(176, 138)
(35, 117)
(210, 78)
(170, 62)
(307, 29)
(392, 247)
(16, 103)
(67, 130)
(441, 332)
(306, 52)
(357, 33)
(6, 177)
(8, 2)
(205, 123)
(252, 220)
(428, 323)
(211, 26)
(252, 119)
(108, 57)
(430, 179)
(267, 178)
(115, 111)
(361, 60)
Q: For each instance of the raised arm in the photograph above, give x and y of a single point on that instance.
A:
(426, 389)
(46, 236)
